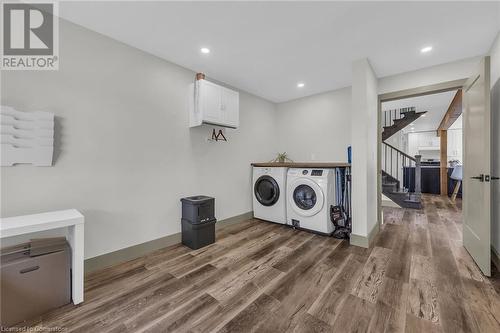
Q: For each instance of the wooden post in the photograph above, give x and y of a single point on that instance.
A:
(418, 175)
(443, 164)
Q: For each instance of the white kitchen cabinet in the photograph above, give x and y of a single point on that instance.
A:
(455, 144)
(213, 104)
(426, 144)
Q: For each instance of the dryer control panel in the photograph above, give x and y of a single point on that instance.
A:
(308, 172)
(317, 173)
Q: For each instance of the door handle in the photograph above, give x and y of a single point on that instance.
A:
(29, 269)
(480, 177)
(495, 178)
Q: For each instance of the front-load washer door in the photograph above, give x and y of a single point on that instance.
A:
(266, 190)
(307, 198)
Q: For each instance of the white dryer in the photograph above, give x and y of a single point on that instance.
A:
(269, 191)
(310, 196)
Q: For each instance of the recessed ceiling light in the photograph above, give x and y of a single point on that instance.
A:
(205, 50)
(423, 115)
(426, 49)
(300, 85)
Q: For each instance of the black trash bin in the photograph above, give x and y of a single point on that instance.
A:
(198, 221)
(198, 209)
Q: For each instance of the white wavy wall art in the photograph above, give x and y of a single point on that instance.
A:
(26, 137)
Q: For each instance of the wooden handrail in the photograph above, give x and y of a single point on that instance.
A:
(401, 152)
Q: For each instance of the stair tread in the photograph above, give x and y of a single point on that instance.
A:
(400, 123)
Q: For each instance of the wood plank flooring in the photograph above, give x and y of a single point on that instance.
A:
(263, 277)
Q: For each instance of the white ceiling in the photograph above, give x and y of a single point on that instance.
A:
(436, 106)
(265, 48)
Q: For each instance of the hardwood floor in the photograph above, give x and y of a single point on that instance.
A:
(263, 277)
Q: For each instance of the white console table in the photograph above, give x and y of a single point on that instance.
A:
(72, 219)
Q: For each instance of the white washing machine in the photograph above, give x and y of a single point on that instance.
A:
(269, 192)
(310, 196)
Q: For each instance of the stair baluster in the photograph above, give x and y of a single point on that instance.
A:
(402, 174)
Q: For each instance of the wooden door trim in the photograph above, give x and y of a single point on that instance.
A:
(423, 90)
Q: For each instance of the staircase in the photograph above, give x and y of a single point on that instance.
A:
(396, 120)
(401, 173)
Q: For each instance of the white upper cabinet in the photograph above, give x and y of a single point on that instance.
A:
(210, 101)
(213, 104)
(231, 107)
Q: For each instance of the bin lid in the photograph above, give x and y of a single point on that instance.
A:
(197, 199)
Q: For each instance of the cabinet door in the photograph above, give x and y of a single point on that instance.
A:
(230, 107)
(211, 102)
(413, 143)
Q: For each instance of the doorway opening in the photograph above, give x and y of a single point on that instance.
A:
(421, 148)
(400, 95)
(476, 155)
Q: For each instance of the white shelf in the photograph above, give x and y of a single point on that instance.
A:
(72, 219)
(20, 225)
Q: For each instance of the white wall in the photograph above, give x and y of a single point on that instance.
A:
(316, 128)
(397, 140)
(495, 140)
(125, 153)
(364, 148)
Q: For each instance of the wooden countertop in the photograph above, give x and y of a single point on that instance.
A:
(308, 165)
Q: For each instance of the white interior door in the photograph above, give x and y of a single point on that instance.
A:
(476, 177)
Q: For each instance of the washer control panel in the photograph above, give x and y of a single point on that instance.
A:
(304, 172)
